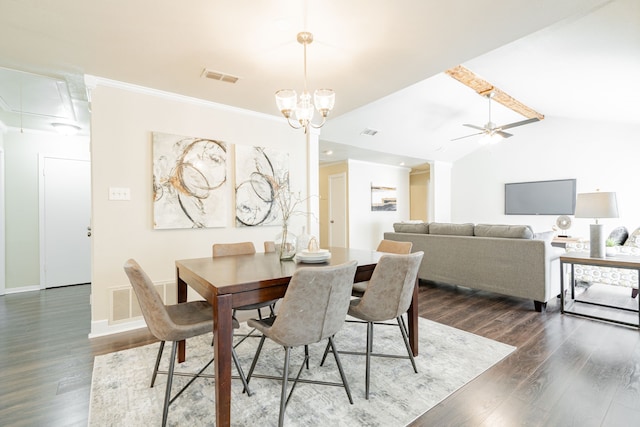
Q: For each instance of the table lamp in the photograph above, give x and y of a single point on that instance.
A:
(596, 205)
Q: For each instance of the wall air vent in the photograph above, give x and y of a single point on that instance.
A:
(369, 132)
(216, 75)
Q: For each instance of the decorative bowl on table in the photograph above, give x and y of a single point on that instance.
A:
(313, 257)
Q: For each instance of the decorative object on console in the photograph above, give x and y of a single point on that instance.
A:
(287, 99)
(619, 235)
(597, 205)
(563, 223)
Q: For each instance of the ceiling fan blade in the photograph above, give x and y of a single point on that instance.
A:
(462, 137)
(503, 134)
(474, 126)
(523, 122)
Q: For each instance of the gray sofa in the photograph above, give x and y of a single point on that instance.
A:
(506, 259)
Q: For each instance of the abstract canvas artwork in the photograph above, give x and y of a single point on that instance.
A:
(383, 198)
(260, 174)
(189, 182)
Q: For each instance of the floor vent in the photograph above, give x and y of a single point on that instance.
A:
(123, 303)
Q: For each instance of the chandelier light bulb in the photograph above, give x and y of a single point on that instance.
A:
(286, 100)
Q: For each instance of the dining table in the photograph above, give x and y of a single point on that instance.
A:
(235, 281)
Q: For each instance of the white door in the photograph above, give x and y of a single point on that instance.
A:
(65, 247)
(338, 210)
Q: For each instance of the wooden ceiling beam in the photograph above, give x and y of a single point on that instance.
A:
(484, 88)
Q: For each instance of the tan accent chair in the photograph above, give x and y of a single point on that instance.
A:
(387, 297)
(313, 309)
(173, 323)
(269, 246)
(227, 249)
(388, 246)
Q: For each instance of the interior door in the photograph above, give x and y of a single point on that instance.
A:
(338, 210)
(65, 219)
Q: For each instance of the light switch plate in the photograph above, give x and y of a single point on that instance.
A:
(119, 193)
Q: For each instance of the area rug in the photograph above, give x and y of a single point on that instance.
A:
(449, 358)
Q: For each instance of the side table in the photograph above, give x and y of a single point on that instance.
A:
(583, 258)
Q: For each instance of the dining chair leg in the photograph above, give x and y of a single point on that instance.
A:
(306, 355)
(283, 394)
(405, 337)
(155, 369)
(167, 393)
(234, 355)
(324, 356)
(368, 358)
(344, 378)
(255, 358)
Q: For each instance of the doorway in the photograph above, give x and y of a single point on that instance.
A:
(65, 218)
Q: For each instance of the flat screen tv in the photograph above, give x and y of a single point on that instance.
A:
(556, 197)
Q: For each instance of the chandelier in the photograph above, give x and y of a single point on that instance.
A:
(302, 110)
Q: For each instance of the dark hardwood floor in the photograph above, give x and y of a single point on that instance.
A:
(566, 371)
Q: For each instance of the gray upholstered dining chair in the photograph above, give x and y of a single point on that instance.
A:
(174, 323)
(387, 297)
(243, 248)
(313, 309)
(388, 246)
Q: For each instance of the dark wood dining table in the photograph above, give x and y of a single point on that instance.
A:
(235, 281)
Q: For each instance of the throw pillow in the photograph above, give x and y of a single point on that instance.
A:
(547, 236)
(403, 227)
(619, 235)
(634, 239)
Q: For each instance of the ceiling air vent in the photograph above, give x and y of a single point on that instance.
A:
(369, 132)
(216, 75)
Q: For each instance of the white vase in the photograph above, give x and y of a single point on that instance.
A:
(303, 240)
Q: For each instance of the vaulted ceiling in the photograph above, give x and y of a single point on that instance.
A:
(385, 60)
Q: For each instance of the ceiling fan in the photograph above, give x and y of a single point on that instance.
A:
(491, 130)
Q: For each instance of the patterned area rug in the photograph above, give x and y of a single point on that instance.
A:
(449, 358)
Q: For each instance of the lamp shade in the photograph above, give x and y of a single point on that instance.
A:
(597, 205)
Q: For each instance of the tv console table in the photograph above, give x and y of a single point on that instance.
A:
(583, 258)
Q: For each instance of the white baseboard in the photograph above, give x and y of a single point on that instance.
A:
(100, 328)
(21, 289)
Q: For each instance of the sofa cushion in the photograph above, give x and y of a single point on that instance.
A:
(508, 231)
(634, 239)
(451, 229)
(404, 227)
(619, 235)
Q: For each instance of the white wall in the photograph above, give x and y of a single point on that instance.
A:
(123, 118)
(599, 155)
(366, 228)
